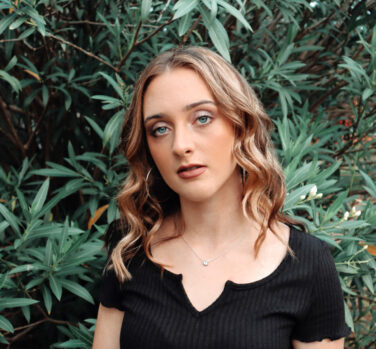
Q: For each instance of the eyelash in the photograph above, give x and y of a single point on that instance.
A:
(208, 117)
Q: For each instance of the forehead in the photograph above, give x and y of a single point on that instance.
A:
(175, 89)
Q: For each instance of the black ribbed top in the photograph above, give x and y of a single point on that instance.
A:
(301, 299)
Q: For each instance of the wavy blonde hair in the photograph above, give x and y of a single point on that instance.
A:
(145, 199)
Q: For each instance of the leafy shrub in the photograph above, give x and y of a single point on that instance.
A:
(66, 74)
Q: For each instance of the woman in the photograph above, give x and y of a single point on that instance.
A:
(207, 259)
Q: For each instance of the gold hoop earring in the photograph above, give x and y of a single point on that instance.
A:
(244, 176)
(146, 182)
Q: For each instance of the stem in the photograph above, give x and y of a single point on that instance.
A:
(87, 53)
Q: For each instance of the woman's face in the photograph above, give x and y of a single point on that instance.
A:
(189, 139)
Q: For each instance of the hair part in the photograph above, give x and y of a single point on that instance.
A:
(143, 206)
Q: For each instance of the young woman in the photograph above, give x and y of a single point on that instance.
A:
(204, 257)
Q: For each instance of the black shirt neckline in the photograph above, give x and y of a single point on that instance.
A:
(229, 284)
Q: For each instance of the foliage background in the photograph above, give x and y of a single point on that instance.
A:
(66, 75)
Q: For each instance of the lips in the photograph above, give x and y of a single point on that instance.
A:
(191, 171)
(188, 168)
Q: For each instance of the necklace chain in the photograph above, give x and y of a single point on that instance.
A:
(205, 262)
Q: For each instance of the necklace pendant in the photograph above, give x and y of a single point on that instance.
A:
(205, 263)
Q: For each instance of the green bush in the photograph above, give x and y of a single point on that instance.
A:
(66, 74)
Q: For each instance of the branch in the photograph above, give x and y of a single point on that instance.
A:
(191, 29)
(136, 43)
(353, 141)
(16, 139)
(10, 40)
(155, 31)
(326, 95)
(100, 24)
(87, 53)
(117, 69)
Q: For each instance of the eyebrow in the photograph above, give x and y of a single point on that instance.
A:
(186, 108)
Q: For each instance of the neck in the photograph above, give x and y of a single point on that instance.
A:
(214, 222)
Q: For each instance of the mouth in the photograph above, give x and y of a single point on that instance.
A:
(191, 171)
(188, 168)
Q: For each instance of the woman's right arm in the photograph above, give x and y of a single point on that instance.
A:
(107, 331)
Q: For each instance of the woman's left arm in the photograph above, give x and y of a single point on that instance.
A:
(324, 344)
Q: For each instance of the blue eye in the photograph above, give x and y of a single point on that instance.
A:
(158, 131)
(204, 119)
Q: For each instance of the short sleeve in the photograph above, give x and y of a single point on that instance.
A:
(326, 315)
(111, 293)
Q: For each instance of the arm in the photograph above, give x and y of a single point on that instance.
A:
(107, 331)
(324, 344)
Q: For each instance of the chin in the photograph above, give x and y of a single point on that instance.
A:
(198, 194)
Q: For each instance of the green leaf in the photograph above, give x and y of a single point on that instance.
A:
(47, 299)
(63, 236)
(72, 187)
(145, 9)
(335, 206)
(26, 313)
(348, 317)
(34, 282)
(56, 171)
(329, 240)
(77, 289)
(367, 279)
(18, 22)
(55, 286)
(184, 24)
(39, 20)
(95, 127)
(217, 34)
(10, 218)
(6, 302)
(44, 95)
(3, 226)
(72, 343)
(371, 185)
(27, 267)
(293, 197)
(6, 325)
(11, 80)
(367, 93)
(112, 130)
(113, 83)
(11, 63)
(23, 204)
(348, 269)
(234, 12)
(48, 253)
(40, 198)
(182, 7)
(6, 22)
(27, 33)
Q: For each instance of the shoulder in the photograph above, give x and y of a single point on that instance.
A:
(314, 265)
(305, 244)
(312, 256)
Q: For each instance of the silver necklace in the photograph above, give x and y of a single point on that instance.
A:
(205, 262)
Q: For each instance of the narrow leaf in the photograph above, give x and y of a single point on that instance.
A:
(145, 9)
(7, 302)
(10, 218)
(6, 325)
(78, 290)
(40, 198)
(183, 7)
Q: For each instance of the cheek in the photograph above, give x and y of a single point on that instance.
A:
(159, 156)
(223, 143)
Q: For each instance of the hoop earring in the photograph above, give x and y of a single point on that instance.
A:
(243, 174)
(146, 181)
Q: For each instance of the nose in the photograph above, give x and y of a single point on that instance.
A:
(182, 142)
